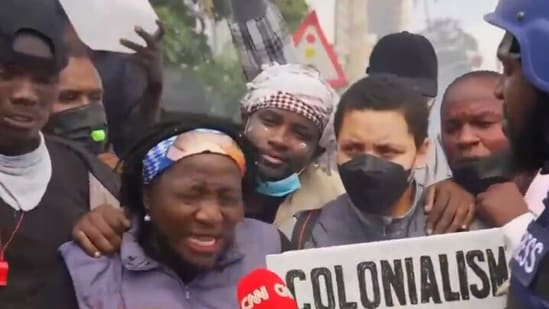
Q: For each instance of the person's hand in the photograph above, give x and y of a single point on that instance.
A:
(501, 203)
(99, 232)
(150, 56)
(449, 207)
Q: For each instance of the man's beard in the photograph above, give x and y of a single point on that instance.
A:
(530, 145)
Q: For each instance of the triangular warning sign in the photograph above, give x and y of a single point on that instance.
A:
(313, 49)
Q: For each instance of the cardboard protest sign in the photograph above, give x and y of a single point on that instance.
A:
(461, 270)
(100, 24)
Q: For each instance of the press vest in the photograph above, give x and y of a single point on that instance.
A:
(530, 266)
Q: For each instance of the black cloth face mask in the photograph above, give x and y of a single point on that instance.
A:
(373, 184)
(86, 125)
(479, 175)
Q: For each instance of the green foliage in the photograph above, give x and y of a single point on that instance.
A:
(183, 45)
(293, 11)
(186, 46)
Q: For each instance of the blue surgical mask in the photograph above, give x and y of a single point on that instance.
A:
(281, 187)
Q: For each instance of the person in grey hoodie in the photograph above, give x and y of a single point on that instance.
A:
(189, 244)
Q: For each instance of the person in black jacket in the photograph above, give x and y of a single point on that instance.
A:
(79, 113)
(44, 181)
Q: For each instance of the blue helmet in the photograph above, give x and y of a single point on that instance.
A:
(528, 22)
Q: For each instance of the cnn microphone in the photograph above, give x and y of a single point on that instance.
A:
(263, 289)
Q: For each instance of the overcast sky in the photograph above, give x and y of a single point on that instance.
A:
(469, 12)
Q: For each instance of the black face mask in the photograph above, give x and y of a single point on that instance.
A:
(373, 184)
(477, 176)
(85, 125)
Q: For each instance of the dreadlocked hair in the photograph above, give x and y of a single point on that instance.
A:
(131, 192)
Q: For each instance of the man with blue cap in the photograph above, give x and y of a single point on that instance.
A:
(525, 90)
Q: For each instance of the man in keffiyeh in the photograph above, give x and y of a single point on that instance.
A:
(260, 35)
(287, 115)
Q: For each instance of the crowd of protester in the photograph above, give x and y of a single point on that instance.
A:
(102, 206)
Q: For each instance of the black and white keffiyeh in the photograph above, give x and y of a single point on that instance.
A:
(302, 90)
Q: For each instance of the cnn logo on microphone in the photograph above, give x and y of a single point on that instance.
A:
(262, 296)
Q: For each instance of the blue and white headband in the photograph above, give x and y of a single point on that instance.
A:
(169, 151)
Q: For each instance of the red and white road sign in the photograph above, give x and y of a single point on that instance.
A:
(313, 49)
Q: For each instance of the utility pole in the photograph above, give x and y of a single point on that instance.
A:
(352, 37)
(427, 13)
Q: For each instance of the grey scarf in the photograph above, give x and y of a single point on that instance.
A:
(25, 178)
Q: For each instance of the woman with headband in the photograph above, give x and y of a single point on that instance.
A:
(287, 116)
(189, 243)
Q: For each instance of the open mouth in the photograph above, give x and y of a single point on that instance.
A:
(272, 160)
(204, 244)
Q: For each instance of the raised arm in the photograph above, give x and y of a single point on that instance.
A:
(144, 113)
(260, 35)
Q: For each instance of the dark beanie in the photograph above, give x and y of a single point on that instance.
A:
(409, 56)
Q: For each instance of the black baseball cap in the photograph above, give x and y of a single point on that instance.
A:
(409, 56)
(43, 19)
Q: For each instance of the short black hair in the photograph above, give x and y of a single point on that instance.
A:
(387, 92)
(481, 74)
(486, 74)
(131, 192)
